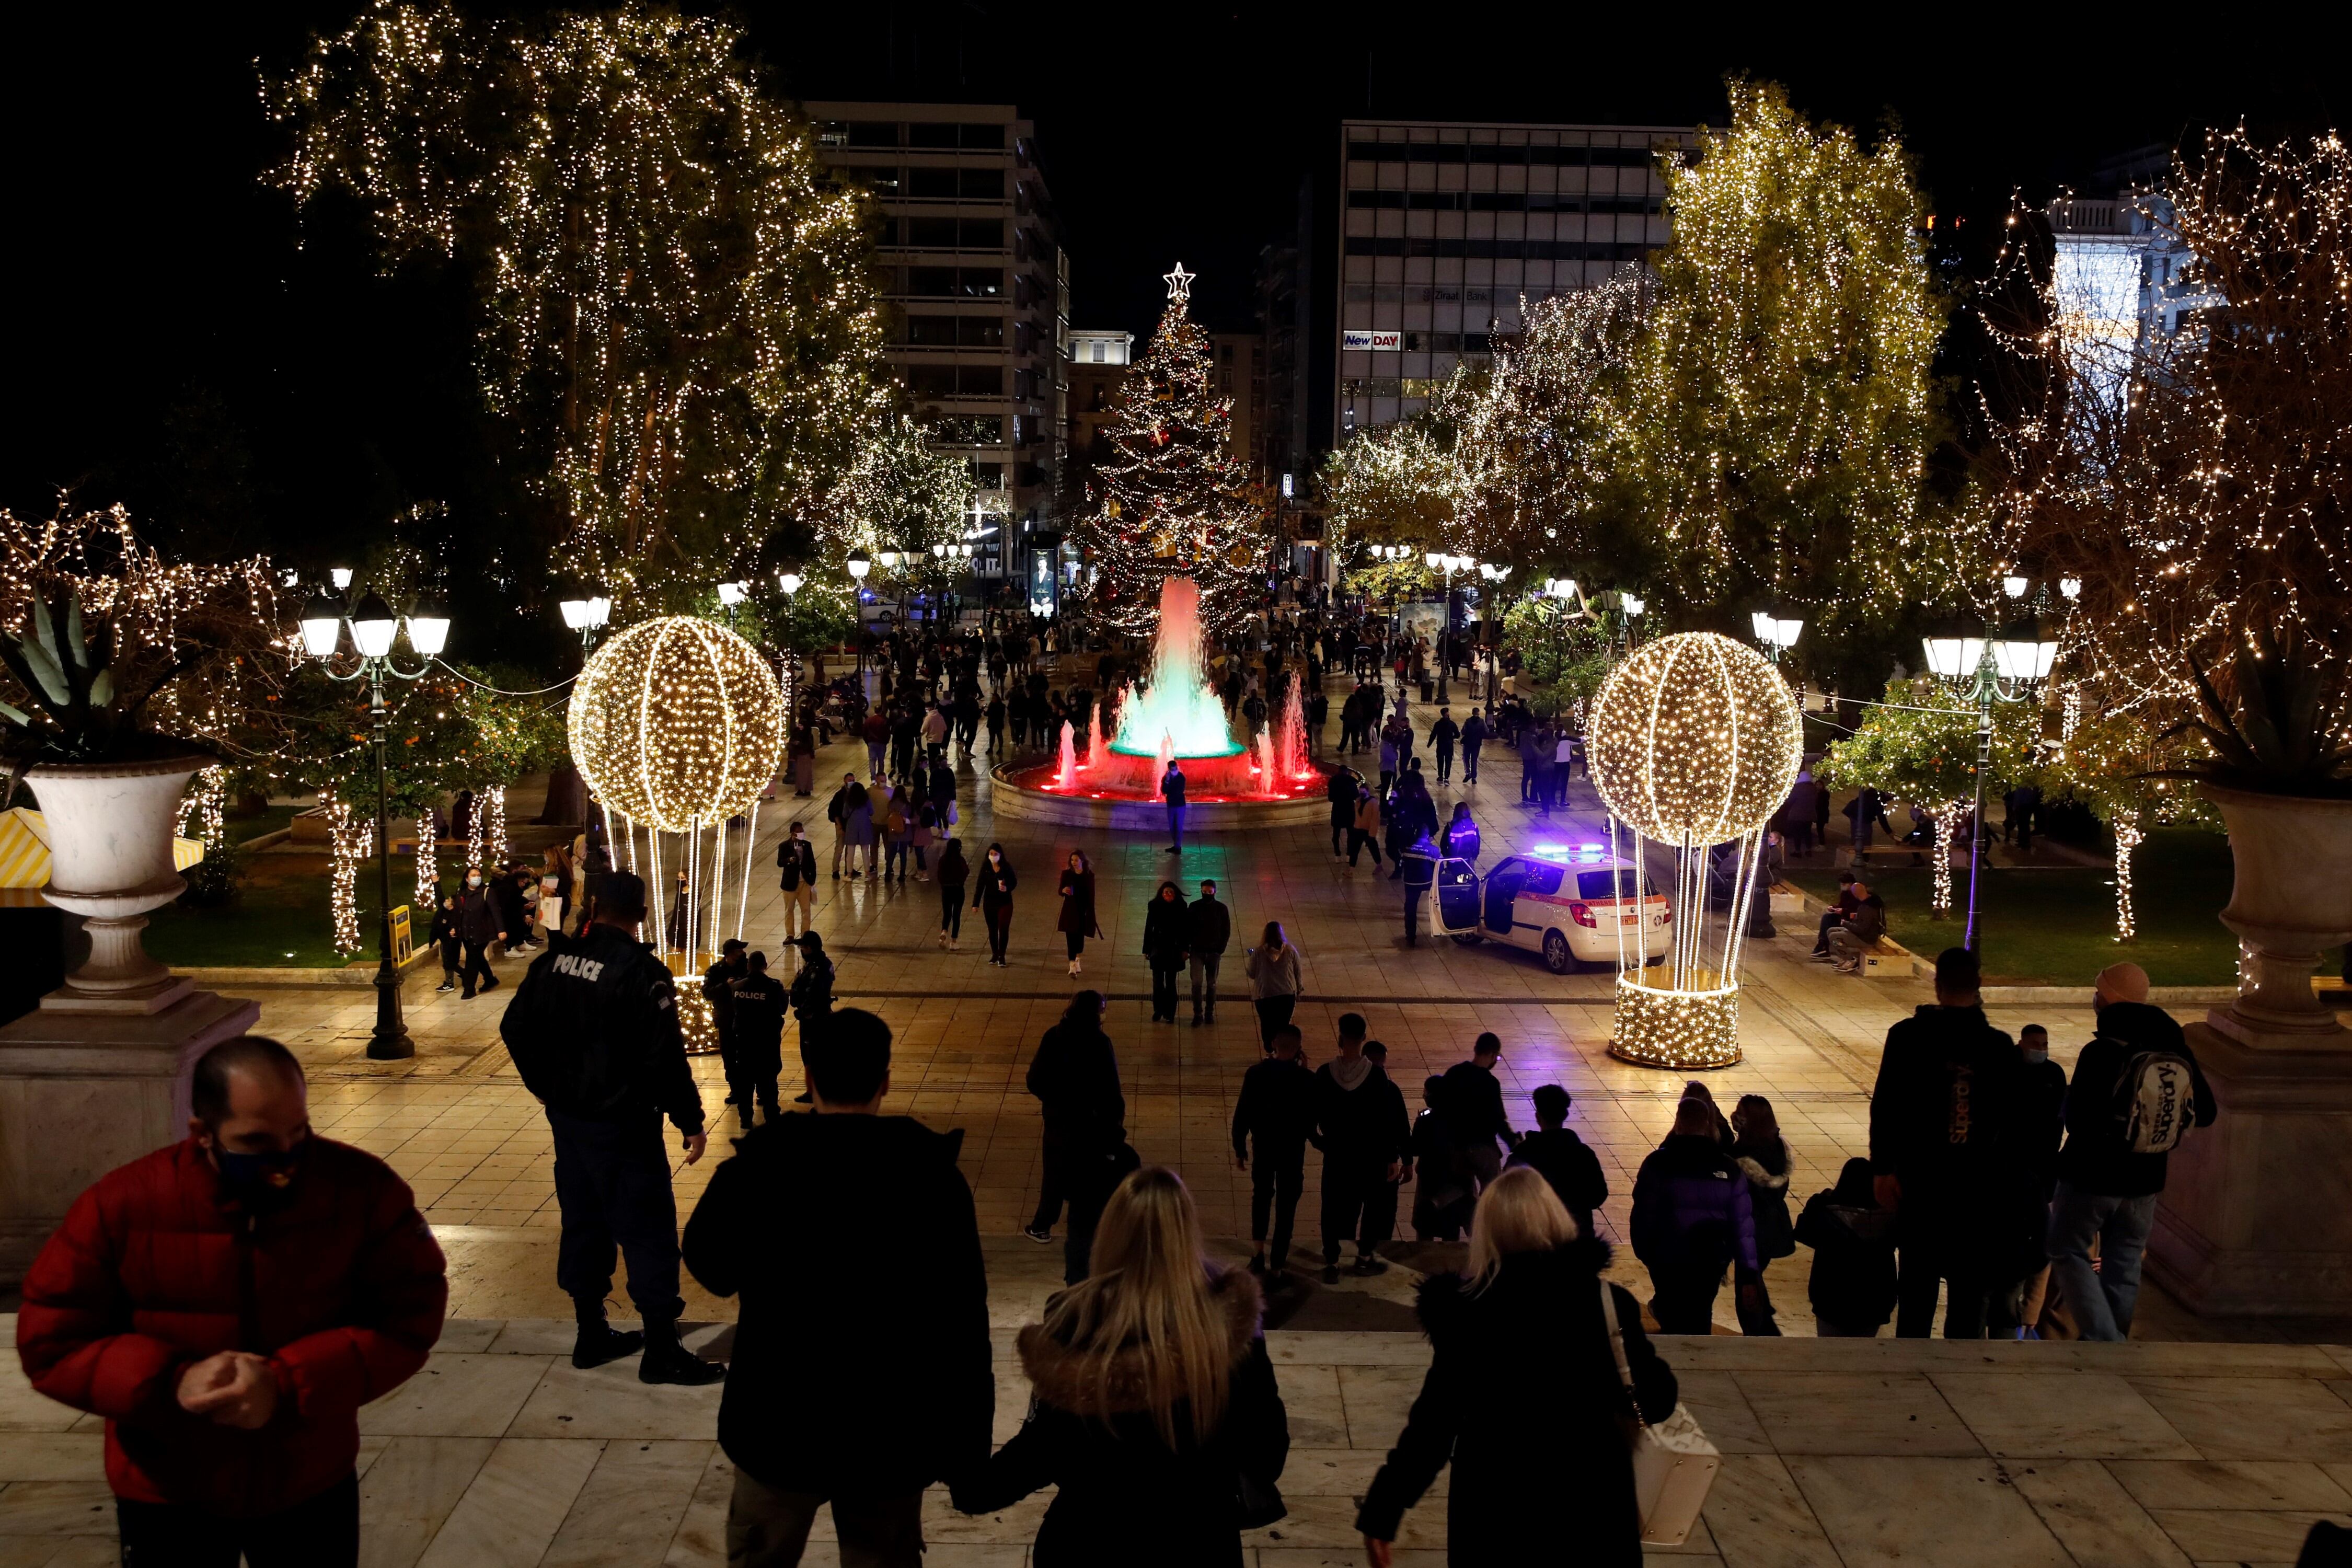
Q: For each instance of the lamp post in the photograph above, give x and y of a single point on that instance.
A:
(587, 616)
(373, 629)
(1986, 671)
(1438, 561)
(860, 564)
(1776, 635)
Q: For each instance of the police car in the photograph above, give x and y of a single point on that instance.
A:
(1568, 902)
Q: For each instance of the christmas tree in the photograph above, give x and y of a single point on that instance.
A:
(1173, 501)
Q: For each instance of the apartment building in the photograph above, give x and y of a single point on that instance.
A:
(978, 283)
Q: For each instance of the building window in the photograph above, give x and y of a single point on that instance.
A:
(932, 185)
(931, 233)
(965, 430)
(981, 282)
(869, 133)
(981, 233)
(981, 184)
(987, 476)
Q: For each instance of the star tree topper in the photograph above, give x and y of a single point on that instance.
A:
(1179, 283)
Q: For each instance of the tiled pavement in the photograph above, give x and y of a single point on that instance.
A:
(1860, 1453)
(1839, 1451)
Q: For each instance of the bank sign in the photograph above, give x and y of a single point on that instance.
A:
(1378, 342)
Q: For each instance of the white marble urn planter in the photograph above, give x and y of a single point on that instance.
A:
(2290, 904)
(111, 830)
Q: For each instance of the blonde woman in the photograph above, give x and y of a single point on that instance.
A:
(1523, 1396)
(1155, 1409)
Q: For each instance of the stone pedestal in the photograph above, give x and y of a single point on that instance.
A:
(82, 1091)
(2257, 1218)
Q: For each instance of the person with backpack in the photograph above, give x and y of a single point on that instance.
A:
(2137, 1092)
(1853, 1284)
(1945, 1116)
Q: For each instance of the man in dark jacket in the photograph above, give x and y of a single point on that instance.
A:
(1074, 1075)
(477, 926)
(1563, 1159)
(593, 1031)
(719, 994)
(862, 1371)
(1945, 1119)
(232, 1414)
(1474, 735)
(1339, 789)
(836, 811)
(1857, 933)
(1210, 931)
(1360, 1126)
(1171, 790)
(2137, 1091)
(1473, 1104)
(1692, 1216)
(758, 1007)
(1276, 1108)
(1441, 737)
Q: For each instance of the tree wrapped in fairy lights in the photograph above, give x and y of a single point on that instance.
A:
(679, 332)
(1173, 500)
(1781, 414)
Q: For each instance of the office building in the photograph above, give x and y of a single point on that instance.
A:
(978, 286)
(1445, 226)
(2120, 273)
(1237, 370)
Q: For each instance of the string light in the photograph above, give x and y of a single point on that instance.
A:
(678, 304)
(349, 835)
(2128, 837)
(677, 723)
(1693, 742)
(1174, 500)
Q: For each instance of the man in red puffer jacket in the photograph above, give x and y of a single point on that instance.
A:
(228, 1304)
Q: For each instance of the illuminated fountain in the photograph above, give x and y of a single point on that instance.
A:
(1176, 714)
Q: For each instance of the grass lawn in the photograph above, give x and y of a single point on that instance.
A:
(2057, 927)
(281, 922)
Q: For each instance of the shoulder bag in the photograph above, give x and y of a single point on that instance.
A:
(1674, 1464)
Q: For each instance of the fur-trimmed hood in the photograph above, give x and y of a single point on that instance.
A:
(1059, 1376)
(1446, 1302)
(1759, 1176)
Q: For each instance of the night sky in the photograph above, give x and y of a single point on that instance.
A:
(167, 343)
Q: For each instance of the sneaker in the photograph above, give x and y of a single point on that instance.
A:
(1041, 1237)
(444, 986)
(1368, 1265)
(602, 1343)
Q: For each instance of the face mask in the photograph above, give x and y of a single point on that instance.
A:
(262, 1183)
(2035, 1058)
(473, 882)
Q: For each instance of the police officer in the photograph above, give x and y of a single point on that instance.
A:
(593, 1031)
(718, 990)
(758, 1007)
(1419, 865)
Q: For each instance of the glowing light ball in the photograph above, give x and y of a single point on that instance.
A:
(677, 723)
(1694, 740)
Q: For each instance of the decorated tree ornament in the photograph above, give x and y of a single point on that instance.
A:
(677, 723)
(1693, 742)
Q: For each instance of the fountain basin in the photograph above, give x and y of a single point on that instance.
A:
(1128, 799)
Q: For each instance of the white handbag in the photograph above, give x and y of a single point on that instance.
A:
(1674, 1464)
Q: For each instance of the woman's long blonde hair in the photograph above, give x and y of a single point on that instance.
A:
(1146, 1303)
(1518, 1211)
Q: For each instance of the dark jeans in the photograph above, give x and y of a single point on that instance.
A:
(1272, 1013)
(1340, 828)
(612, 1183)
(478, 962)
(1975, 1303)
(1470, 764)
(1000, 932)
(951, 911)
(768, 1526)
(1830, 922)
(1176, 825)
(1075, 943)
(1684, 1303)
(1444, 763)
(1204, 975)
(1359, 1202)
(1360, 840)
(1163, 992)
(1276, 1180)
(322, 1531)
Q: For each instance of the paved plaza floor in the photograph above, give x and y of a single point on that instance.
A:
(1838, 1451)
